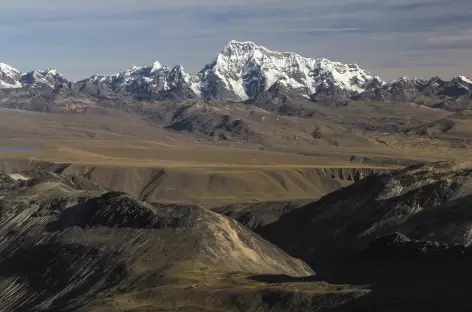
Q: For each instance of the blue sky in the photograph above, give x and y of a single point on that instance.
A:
(391, 38)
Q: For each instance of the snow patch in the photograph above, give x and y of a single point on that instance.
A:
(52, 71)
(18, 177)
(156, 66)
(465, 79)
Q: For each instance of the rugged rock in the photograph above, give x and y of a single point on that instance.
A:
(406, 233)
(241, 71)
(435, 92)
(66, 242)
(11, 78)
(154, 82)
(325, 232)
(245, 71)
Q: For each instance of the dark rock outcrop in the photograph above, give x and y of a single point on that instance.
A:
(66, 242)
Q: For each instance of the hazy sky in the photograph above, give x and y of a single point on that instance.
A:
(391, 38)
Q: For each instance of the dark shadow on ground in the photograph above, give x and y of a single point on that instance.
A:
(403, 275)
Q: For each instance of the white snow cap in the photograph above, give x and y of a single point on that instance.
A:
(156, 66)
(9, 77)
(240, 59)
(7, 69)
(52, 71)
(243, 68)
(465, 79)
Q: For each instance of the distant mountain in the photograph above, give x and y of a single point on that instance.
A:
(419, 90)
(11, 78)
(143, 83)
(241, 71)
(45, 78)
(245, 71)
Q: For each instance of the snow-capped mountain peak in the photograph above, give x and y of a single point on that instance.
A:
(244, 69)
(465, 79)
(241, 71)
(7, 69)
(13, 78)
(156, 66)
(9, 77)
(237, 46)
(43, 78)
(146, 82)
(51, 71)
(345, 76)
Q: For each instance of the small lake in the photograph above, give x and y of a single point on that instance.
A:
(17, 149)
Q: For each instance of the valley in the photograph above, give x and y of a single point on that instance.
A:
(125, 152)
(267, 181)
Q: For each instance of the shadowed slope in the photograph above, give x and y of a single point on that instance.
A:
(406, 233)
(70, 246)
(348, 219)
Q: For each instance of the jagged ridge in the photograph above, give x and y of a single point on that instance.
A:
(245, 71)
(11, 78)
(419, 90)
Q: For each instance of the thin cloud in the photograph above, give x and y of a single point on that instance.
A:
(105, 36)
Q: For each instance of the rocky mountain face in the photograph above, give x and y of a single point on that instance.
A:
(154, 82)
(399, 201)
(66, 242)
(245, 71)
(406, 232)
(434, 90)
(49, 78)
(241, 71)
(11, 78)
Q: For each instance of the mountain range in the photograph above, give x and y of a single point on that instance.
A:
(265, 182)
(245, 71)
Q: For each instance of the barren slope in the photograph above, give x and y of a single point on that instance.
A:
(406, 233)
(72, 248)
(211, 186)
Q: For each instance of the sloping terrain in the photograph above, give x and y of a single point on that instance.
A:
(281, 120)
(379, 133)
(406, 233)
(408, 275)
(294, 124)
(210, 187)
(49, 100)
(69, 244)
(382, 243)
(451, 95)
(456, 129)
(78, 248)
(346, 221)
(140, 191)
(259, 214)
